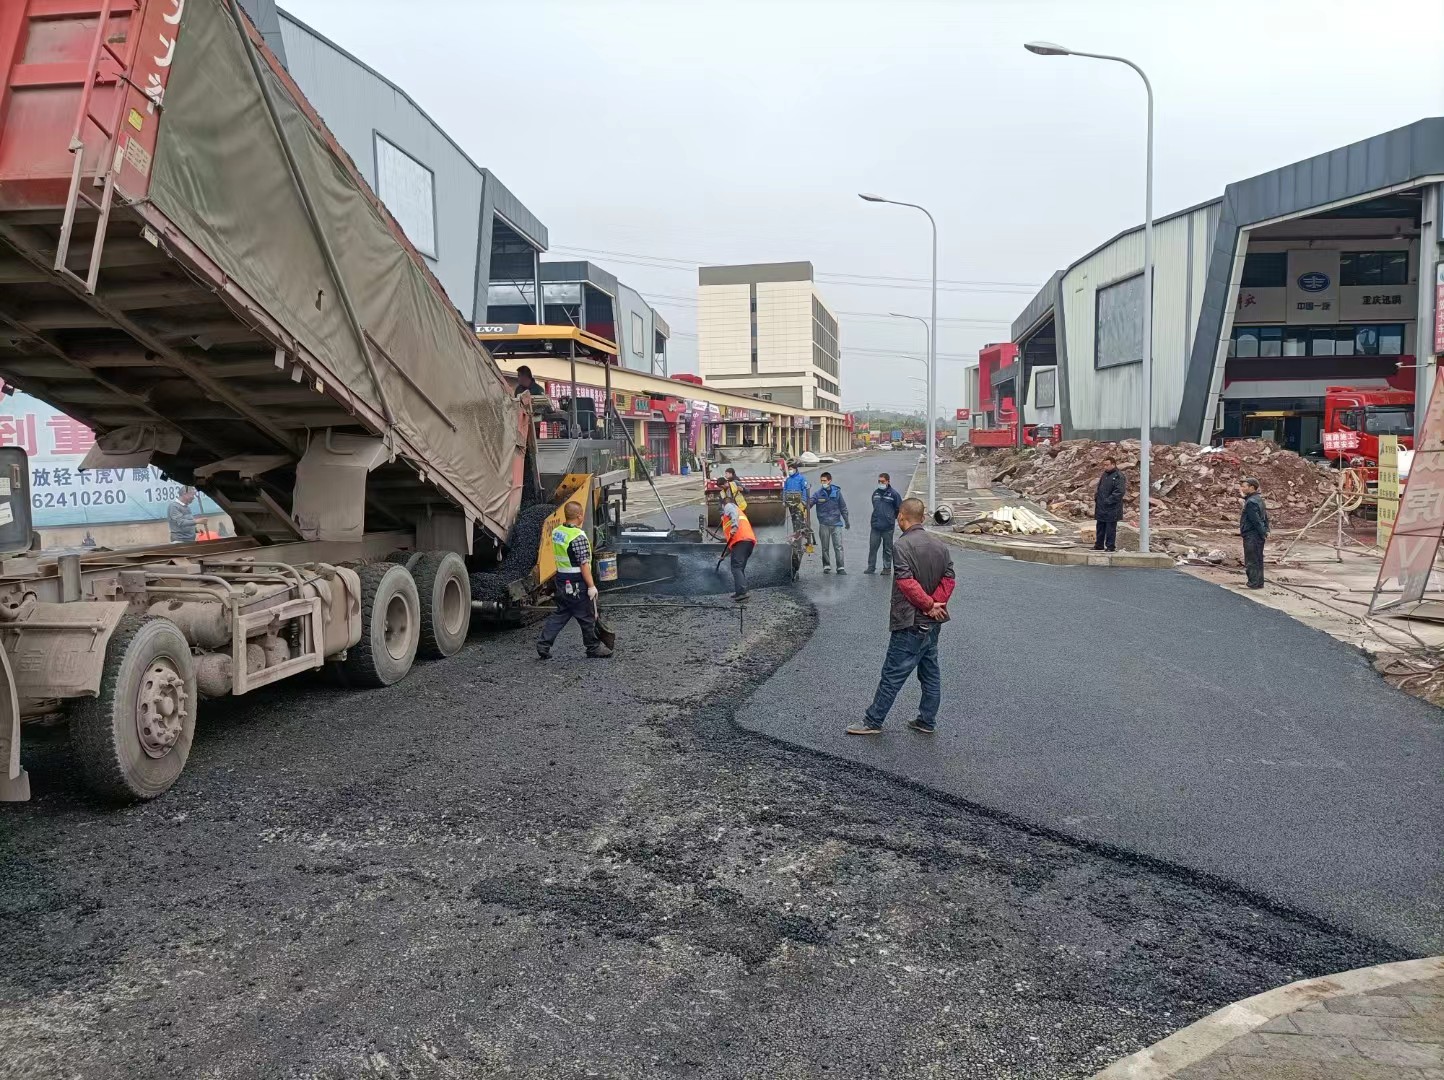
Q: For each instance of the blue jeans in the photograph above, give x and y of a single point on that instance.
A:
(909, 651)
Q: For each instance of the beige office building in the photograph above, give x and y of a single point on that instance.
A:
(763, 331)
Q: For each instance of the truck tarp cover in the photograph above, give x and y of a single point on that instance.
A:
(220, 174)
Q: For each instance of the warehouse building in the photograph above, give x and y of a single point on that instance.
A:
(1292, 281)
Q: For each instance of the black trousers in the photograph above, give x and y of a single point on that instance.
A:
(1253, 545)
(741, 552)
(1105, 536)
(570, 592)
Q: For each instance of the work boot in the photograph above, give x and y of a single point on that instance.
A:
(544, 652)
(917, 724)
(601, 652)
(826, 569)
(840, 570)
(740, 597)
(870, 570)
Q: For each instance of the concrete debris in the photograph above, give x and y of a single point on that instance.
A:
(1009, 519)
(1192, 485)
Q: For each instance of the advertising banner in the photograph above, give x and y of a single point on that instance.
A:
(1388, 489)
(60, 494)
(1419, 524)
(963, 414)
(1313, 287)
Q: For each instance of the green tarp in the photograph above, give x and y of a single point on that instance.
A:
(221, 175)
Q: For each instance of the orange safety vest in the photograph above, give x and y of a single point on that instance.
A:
(742, 531)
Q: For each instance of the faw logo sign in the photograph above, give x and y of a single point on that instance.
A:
(1314, 281)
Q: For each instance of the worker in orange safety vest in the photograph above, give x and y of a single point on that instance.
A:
(741, 541)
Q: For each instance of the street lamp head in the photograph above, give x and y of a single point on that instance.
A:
(868, 197)
(1047, 48)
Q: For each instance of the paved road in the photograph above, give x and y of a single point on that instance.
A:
(1151, 712)
(583, 869)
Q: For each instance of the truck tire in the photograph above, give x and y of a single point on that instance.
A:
(132, 740)
(445, 590)
(390, 627)
(404, 558)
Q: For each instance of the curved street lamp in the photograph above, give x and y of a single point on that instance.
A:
(1048, 48)
(932, 449)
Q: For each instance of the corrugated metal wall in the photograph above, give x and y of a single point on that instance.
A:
(1107, 401)
(356, 104)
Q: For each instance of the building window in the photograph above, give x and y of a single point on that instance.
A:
(1373, 268)
(408, 188)
(639, 334)
(1119, 312)
(1385, 339)
(1045, 390)
(1265, 270)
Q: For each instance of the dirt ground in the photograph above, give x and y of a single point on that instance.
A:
(582, 869)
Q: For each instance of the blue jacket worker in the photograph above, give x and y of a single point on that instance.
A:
(885, 505)
(795, 483)
(831, 520)
(574, 589)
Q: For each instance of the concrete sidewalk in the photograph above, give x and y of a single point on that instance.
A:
(1377, 1023)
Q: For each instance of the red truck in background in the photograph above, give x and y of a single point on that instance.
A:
(1355, 417)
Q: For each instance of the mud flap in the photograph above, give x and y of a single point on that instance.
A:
(14, 781)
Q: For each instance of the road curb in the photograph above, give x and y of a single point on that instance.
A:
(1197, 1041)
(1056, 556)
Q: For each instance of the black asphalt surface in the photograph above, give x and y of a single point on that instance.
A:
(508, 868)
(1148, 712)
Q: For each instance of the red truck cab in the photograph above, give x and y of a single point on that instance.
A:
(1365, 413)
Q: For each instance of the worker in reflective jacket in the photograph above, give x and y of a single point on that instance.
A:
(741, 540)
(730, 490)
(574, 589)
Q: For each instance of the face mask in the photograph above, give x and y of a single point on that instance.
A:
(882, 485)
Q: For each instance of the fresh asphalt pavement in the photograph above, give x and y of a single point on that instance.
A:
(1147, 712)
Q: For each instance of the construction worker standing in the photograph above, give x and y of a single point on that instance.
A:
(741, 540)
(575, 590)
(831, 519)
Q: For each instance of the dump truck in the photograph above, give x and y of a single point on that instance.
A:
(192, 266)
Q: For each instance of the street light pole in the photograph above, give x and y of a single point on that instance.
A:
(932, 447)
(1145, 436)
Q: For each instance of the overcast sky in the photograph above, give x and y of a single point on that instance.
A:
(673, 132)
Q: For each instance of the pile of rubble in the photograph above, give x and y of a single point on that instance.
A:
(1192, 485)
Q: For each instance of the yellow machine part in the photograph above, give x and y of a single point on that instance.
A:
(574, 487)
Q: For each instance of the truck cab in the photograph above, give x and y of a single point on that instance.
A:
(1361, 415)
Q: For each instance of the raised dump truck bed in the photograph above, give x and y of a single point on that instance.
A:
(247, 294)
(191, 265)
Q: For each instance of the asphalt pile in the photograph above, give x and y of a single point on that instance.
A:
(1192, 485)
(519, 557)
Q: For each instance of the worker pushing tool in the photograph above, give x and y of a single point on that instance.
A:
(575, 589)
(741, 541)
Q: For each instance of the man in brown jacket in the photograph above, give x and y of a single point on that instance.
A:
(922, 584)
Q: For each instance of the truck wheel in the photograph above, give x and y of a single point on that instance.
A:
(390, 627)
(445, 590)
(131, 742)
(404, 558)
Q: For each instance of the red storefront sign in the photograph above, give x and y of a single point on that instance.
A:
(963, 414)
(1439, 310)
(671, 409)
